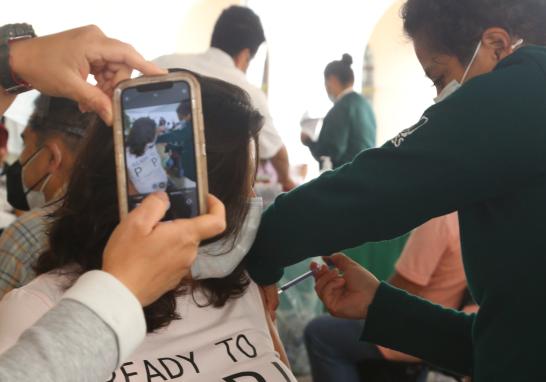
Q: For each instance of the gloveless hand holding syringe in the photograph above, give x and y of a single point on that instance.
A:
(303, 277)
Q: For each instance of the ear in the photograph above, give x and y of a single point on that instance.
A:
(498, 42)
(56, 156)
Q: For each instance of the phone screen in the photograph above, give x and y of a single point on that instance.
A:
(159, 146)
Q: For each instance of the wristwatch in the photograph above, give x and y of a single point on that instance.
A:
(8, 79)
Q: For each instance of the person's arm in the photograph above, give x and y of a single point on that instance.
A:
(19, 310)
(400, 282)
(396, 319)
(12, 272)
(98, 312)
(273, 331)
(53, 350)
(17, 245)
(271, 146)
(422, 253)
(449, 160)
(409, 324)
(59, 64)
(281, 164)
(334, 136)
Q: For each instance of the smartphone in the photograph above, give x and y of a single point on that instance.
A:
(159, 143)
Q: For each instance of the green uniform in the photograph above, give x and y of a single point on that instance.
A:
(482, 152)
(348, 128)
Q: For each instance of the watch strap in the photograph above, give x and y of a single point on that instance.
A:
(9, 33)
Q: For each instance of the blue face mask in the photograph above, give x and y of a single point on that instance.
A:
(219, 259)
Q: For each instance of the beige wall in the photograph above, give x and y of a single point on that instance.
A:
(402, 92)
(197, 24)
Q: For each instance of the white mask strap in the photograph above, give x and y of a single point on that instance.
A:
(518, 44)
(471, 61)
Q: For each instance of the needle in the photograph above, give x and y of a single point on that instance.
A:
(296, 281)
(302, 277)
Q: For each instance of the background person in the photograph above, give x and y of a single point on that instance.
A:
(37, 181)
(479, 151)
(349, 127)
(237, 35)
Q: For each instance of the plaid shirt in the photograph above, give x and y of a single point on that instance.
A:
(20, 246)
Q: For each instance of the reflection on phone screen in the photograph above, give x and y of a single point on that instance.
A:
(159, 146)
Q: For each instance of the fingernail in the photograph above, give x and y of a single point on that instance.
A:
(163, 196)
(329, 262)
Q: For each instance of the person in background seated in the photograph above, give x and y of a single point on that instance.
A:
(207, 330)
(430, 267)
(6, 210)
(237, 35)
(37, 182)
(349, 127)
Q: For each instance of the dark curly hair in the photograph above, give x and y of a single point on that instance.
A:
(454, 27)
(89, 214)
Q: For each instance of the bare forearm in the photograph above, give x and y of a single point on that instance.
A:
(281, 165)
(400, 282)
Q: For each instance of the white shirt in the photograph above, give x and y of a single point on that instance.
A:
(207, 344)
(349, 90)
(82, 338)
(145, 171)
(99, 291)
(217, 64)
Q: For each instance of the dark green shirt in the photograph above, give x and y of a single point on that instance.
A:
(348, 128)
(482, 152)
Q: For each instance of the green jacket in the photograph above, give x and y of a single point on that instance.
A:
(482, 152)
(348, 128)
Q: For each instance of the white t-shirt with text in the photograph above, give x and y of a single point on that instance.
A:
(230, 344)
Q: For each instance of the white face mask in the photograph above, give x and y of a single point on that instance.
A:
(218, 259)
(35, 198)
(448, 90)
(455, 85)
